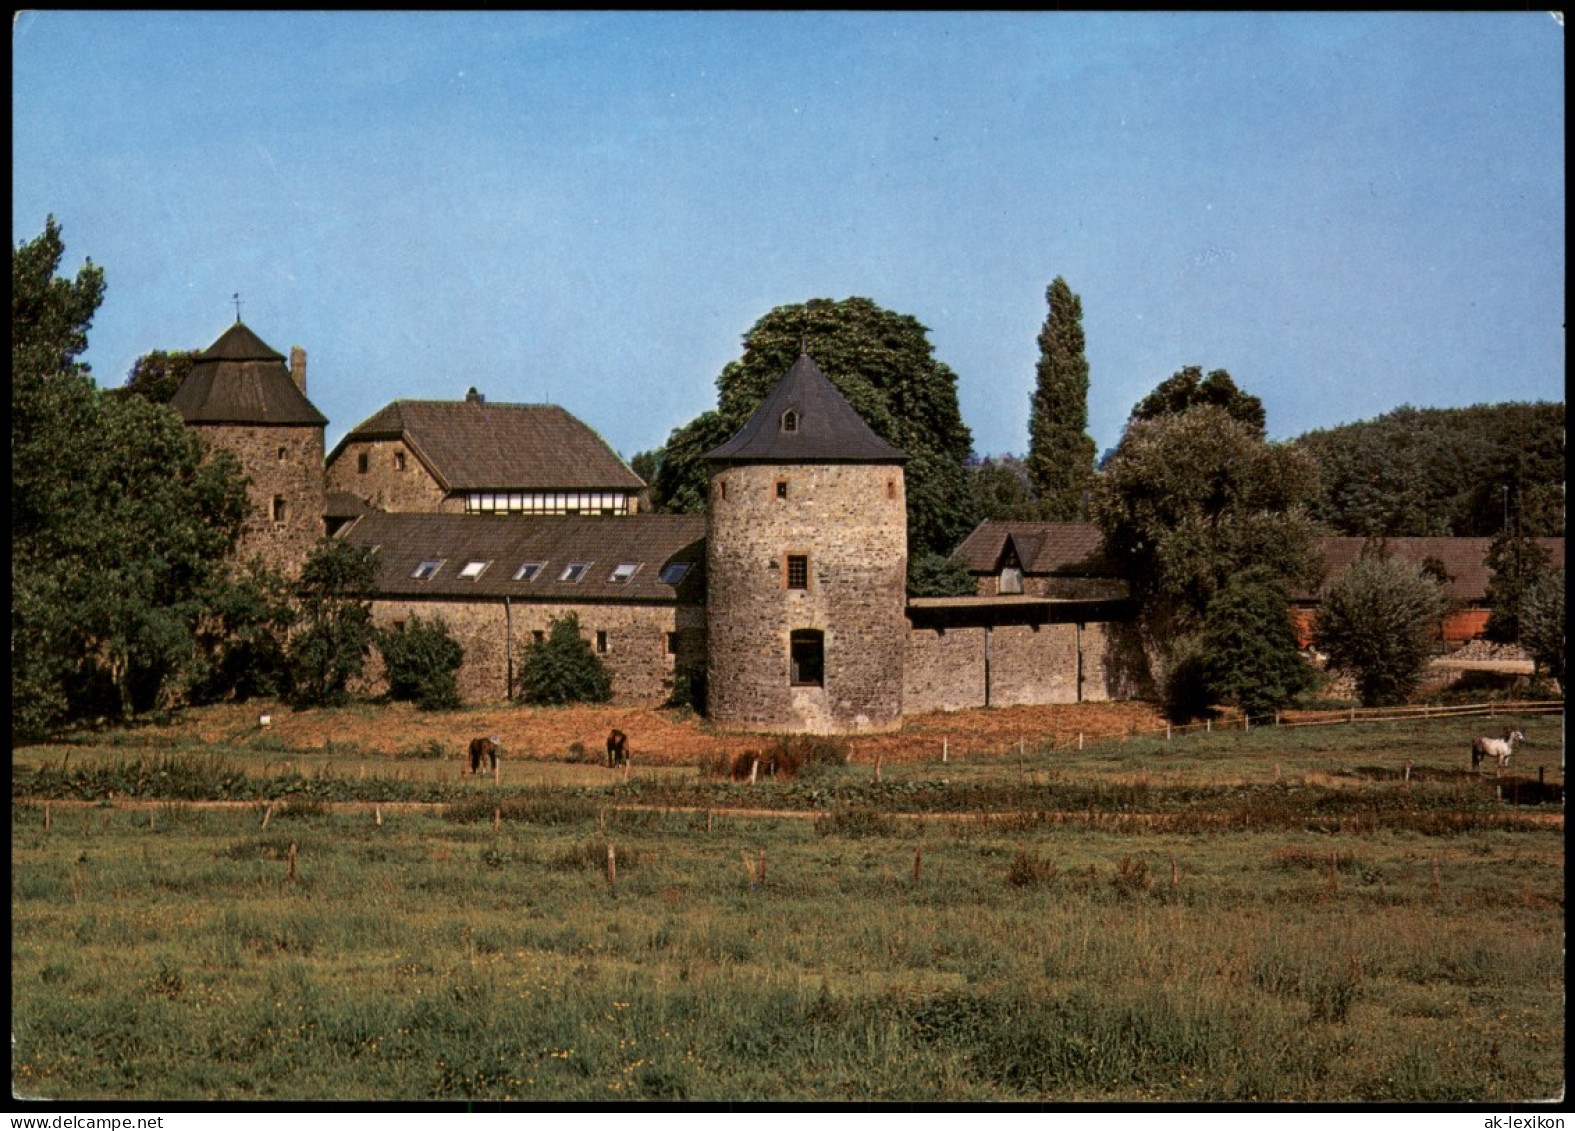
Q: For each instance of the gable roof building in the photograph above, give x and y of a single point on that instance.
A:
(478, 457)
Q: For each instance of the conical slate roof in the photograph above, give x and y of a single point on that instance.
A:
(805, 419)
(240, 379)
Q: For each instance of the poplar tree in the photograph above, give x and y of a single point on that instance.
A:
(1060, 451)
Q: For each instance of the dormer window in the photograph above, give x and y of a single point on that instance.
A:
(790, 420)
(427, 569)
(574, 571)
(528, 571)
(624, 572)
(674, 572)
(473, 570)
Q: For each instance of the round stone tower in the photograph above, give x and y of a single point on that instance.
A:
(241, 396)
(806, 567)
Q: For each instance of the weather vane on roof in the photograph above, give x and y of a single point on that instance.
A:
(237, 297)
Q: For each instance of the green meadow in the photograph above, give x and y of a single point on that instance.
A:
(1325, 914)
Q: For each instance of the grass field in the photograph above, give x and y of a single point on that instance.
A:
(1281, 915)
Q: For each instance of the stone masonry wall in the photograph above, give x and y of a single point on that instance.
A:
(851, 523)
(279, 461)
(383, 484)
(945, 671)
(637, 659)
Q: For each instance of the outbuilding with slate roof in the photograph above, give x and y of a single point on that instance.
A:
(241, 396)
(479, 457)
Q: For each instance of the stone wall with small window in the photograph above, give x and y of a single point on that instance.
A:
(284, 467)
(647, 646)
(384, 483)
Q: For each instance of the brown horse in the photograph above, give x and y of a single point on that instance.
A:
(485, 750)
(617, 748)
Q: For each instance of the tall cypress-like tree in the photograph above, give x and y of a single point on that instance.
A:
(1060, 451)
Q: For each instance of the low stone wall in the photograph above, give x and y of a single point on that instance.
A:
(947, 669)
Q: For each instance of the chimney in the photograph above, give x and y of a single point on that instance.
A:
(474, 397)
(298, 368)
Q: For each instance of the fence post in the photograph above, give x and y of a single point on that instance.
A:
(918, 855)
(612, 864)
(945, 748)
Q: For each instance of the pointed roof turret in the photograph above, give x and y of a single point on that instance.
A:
(240, 379)
(805, 419)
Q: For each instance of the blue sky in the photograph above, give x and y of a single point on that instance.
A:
(1347, 212)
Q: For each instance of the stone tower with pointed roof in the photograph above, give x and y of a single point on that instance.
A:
(806, 565)
(240, 395)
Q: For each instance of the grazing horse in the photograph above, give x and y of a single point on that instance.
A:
(485, 750)
(617, 748)
(1499, 748)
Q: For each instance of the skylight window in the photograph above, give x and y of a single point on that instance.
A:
(574, 571)
(624, 572)
(674, 572)
(473, 570)
(528, 571)
(426, 570)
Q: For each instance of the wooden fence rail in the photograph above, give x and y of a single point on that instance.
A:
(1345, 715)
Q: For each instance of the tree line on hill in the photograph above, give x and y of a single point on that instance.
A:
(125, 596)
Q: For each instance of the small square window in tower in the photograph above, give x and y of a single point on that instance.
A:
(781, 488)
(807, 657)
(798, 571)
(399, 461)
(601, 641)
(278, 508)
(790, 421)
(363, 463)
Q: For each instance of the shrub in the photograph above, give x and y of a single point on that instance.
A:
(563, 668)
(1377, 621)
(421, 658)
(1251, 657)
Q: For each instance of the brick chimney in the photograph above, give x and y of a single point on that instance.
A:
(298, 368)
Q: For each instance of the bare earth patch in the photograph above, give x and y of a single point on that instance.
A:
(656, 736)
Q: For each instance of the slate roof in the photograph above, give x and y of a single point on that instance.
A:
(652, 541)
(1464, 559)
(240, 379)
(1072, 549)
(829, 430)
(346, 504)
(476, 445)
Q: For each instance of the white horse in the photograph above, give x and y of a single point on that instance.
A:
(1499, 748)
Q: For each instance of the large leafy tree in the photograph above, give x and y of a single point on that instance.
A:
(156, 376)
(999, 489)
(1190, 500)
(121, 521)
(1462, 472)
(1060, 452)
(883, 363)
(335, 633)
(1378, 621)
(1189, 388)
